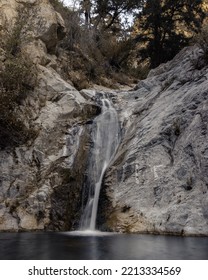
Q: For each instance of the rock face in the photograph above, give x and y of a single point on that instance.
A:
(40, 182)
(158, 181)
(43, 22)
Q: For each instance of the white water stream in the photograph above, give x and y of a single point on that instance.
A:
(105, 137)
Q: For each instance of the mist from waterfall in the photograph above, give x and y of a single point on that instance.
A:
(105, 137)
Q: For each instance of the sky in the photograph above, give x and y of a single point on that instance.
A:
(67, 2)
(74, 3)
(70, 2)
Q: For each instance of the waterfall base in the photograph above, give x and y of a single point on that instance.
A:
(89, 233)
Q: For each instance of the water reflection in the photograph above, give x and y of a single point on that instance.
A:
(62, 246)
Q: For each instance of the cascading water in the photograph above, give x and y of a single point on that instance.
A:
(105, 137)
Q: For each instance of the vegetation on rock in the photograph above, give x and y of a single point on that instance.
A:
(17, 78)
(110, 37)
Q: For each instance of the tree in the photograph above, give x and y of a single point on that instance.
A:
(109, 12)
(106, 31)
(86, 6)
(166, 26)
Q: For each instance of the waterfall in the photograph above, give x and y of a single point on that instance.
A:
(105, 137)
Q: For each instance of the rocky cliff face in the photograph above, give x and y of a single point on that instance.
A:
(40, 181)
(158, 181)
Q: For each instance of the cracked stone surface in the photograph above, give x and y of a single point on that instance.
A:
(158, 181)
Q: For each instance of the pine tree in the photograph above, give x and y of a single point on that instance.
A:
(166, 26)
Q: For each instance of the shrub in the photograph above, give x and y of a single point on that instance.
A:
(92, 51)
(16, 80)
(18, 76)
(15, 36)
(202, 38)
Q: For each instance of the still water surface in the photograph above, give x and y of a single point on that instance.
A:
(66, 246)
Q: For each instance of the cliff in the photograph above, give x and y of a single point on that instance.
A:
(158, 181)
(40, 179)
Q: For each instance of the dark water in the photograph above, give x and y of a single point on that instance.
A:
(63, 246)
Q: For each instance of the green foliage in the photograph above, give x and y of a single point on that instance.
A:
(18, 76)
(108, 13)
(140, 72)
(100, 43)
(14, 38)
(16, 81)
(96, 49)
(165, 27)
